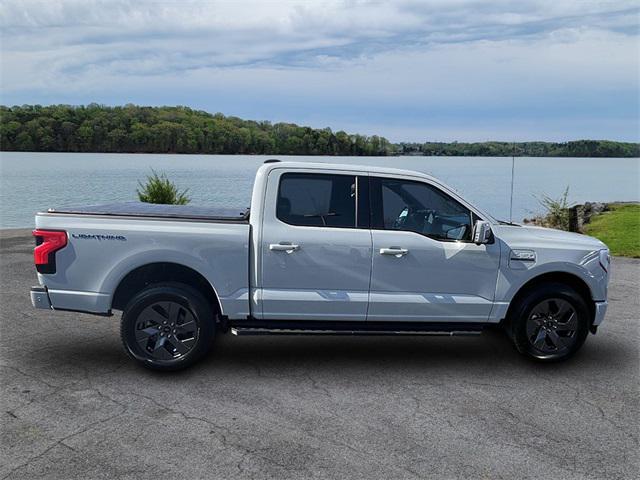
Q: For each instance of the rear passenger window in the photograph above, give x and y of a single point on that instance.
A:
(317, 200)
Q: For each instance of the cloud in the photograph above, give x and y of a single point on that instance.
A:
(450, 67)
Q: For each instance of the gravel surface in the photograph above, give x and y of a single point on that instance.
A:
(74, 406)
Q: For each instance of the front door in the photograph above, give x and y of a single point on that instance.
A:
(316, 261)
(425, 268)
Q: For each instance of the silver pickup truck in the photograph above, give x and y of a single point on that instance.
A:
(324, 249)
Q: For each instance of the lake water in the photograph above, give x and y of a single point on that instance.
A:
(36, 181)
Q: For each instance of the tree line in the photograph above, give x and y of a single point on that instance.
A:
(136, 129)
(578, 148)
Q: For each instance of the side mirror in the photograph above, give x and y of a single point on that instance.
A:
(481, 232)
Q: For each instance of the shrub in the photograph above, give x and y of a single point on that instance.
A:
(159, 189)
(557, 211)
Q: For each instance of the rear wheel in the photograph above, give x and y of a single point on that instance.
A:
(167, 327)
(550, 323)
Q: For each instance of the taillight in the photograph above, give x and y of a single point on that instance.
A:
(48, 242)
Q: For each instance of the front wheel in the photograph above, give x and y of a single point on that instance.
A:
(167, 327)
(550, 323)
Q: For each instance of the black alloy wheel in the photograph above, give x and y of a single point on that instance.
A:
(168, 326)
(550, 322)
(552, 326)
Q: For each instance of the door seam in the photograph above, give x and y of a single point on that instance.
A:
(366, 317)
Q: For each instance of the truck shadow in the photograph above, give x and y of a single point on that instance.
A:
(488, 352)
(491, 349)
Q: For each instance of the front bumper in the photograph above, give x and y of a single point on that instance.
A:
(40, 298)
(601, 310)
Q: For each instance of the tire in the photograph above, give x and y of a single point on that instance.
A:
(167, 326)
(550, 323)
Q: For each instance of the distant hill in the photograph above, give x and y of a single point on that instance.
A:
(136, 129)
(577, 148)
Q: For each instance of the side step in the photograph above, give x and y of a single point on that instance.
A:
(241, 331)
(288, 327)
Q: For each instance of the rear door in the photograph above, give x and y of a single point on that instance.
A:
(425, 267)
(316, 246)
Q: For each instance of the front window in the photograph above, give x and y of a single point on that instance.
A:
(317, 200)
(419, 207)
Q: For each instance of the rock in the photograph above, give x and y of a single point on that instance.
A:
(579, 215)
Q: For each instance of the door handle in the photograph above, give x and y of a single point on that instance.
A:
(284, 247)
(395, 251)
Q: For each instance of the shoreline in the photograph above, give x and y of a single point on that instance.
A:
(271, 155)
(15, 231)
(4, 231)
(13, 236)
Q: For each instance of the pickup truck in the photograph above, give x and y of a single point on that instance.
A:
(324, 249)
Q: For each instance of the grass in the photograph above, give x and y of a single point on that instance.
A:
(619, 228)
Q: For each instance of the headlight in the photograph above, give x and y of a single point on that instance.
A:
(605, 259)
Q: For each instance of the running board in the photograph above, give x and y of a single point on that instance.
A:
(253, 326)
(243, 331)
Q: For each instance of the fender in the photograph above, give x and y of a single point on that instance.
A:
(120, 270)
(510, 281)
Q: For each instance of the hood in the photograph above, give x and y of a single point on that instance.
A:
(550, 237)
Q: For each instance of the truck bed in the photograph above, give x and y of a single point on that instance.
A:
(108, 242)
(151, 210)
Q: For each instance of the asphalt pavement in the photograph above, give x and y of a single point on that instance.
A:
(73, 406)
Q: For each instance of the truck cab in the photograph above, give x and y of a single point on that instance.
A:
(323, 249)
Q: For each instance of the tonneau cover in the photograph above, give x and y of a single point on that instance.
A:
(140, 209)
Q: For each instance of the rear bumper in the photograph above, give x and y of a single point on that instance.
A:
(40, 298)
(601, 310)
(75, 301)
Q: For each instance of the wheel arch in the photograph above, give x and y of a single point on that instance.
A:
(161, 272)
(574, 281)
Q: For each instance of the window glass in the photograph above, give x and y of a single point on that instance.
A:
(419, 207)
(317, 200)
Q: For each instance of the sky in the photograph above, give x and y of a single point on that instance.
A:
(432, 70)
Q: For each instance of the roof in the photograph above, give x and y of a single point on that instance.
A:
(348, 167)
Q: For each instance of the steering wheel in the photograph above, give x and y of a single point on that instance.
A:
(411, 218)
